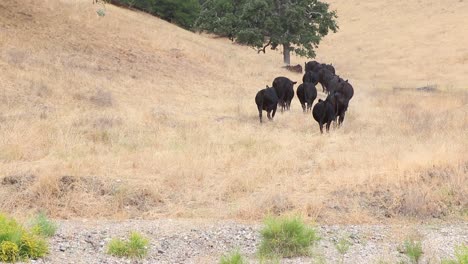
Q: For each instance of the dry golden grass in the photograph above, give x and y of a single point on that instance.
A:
(129, 116)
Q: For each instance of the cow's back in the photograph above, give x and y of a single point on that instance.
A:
(310, 92)
(334, 84)
(270, 96)
(348, 90)
(311, 66)
(282, 85)
(323, 111)
(311, 77)
(329, 67)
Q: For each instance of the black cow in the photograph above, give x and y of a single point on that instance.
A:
(323, 113)
(312, 66)
(316, 66)
(325, 77)
(333, 84)
(306, 93)
(311, 77)
(343, 95)
(284, 88)
(340, 105)
(266, 99)
(329, 67)
(346, 88)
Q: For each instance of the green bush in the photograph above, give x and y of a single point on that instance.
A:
(413, 250)
(135, 247)
(41, 225)
(233, 258)
(461, 256)
(9, 251)
(286, 237)
(32, 246)
(342, 246)
(181, 12)
(16, 243)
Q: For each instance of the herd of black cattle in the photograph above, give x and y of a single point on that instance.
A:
(333, 108)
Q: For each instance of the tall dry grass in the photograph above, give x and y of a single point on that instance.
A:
(107, 118)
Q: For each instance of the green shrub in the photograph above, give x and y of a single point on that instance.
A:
(342, 246)
(286, 237)
(41, 225)
(233, 258)
(16, 243)
(32, 246)
(181, 12)
(9, 251)
(413, 250)
(135, 247)
(461, 256)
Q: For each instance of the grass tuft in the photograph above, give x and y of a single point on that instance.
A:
(461, 255)
(234, 257)
(412, 249)
(286, 237)
(135, 247)
(41, 225)
(342, 246)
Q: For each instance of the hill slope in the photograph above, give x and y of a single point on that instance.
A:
(129, 116)
(401, 43)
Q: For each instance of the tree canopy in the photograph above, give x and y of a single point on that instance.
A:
(297, 25)
(181, 12)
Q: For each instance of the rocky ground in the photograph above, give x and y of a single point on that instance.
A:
(189, 241)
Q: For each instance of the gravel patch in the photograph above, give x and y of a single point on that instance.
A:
(196, 241)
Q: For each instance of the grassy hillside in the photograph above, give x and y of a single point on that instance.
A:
(129, 116)
(401, 43)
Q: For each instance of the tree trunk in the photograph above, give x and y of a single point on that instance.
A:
(286, 54)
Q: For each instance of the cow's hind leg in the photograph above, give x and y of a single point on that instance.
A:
(321, 128)
(268, 114)
(328, 126)
(310, 105)
(260, 114)
(274, 112)
(341, 119)
(335, 120)
(281, 105)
